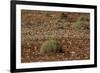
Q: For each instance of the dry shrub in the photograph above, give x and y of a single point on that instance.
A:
(50, 46)
(83, 23)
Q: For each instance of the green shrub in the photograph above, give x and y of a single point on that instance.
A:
(83, 22)
(50, 46)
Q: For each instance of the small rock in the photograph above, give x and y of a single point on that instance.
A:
(63, 41)
(27, 56)
(73, 53)
(35, 47)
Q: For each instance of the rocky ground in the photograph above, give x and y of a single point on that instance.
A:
(39, 26)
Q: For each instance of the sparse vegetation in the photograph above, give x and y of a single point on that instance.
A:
(82, 23)
(54, 36)
(50, 46)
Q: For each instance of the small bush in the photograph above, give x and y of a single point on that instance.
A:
(82, 22)
(50, 46)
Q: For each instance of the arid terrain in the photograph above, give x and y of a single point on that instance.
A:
(70, 29)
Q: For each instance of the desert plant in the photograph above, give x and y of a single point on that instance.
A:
(82, 22)
(50, 46)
